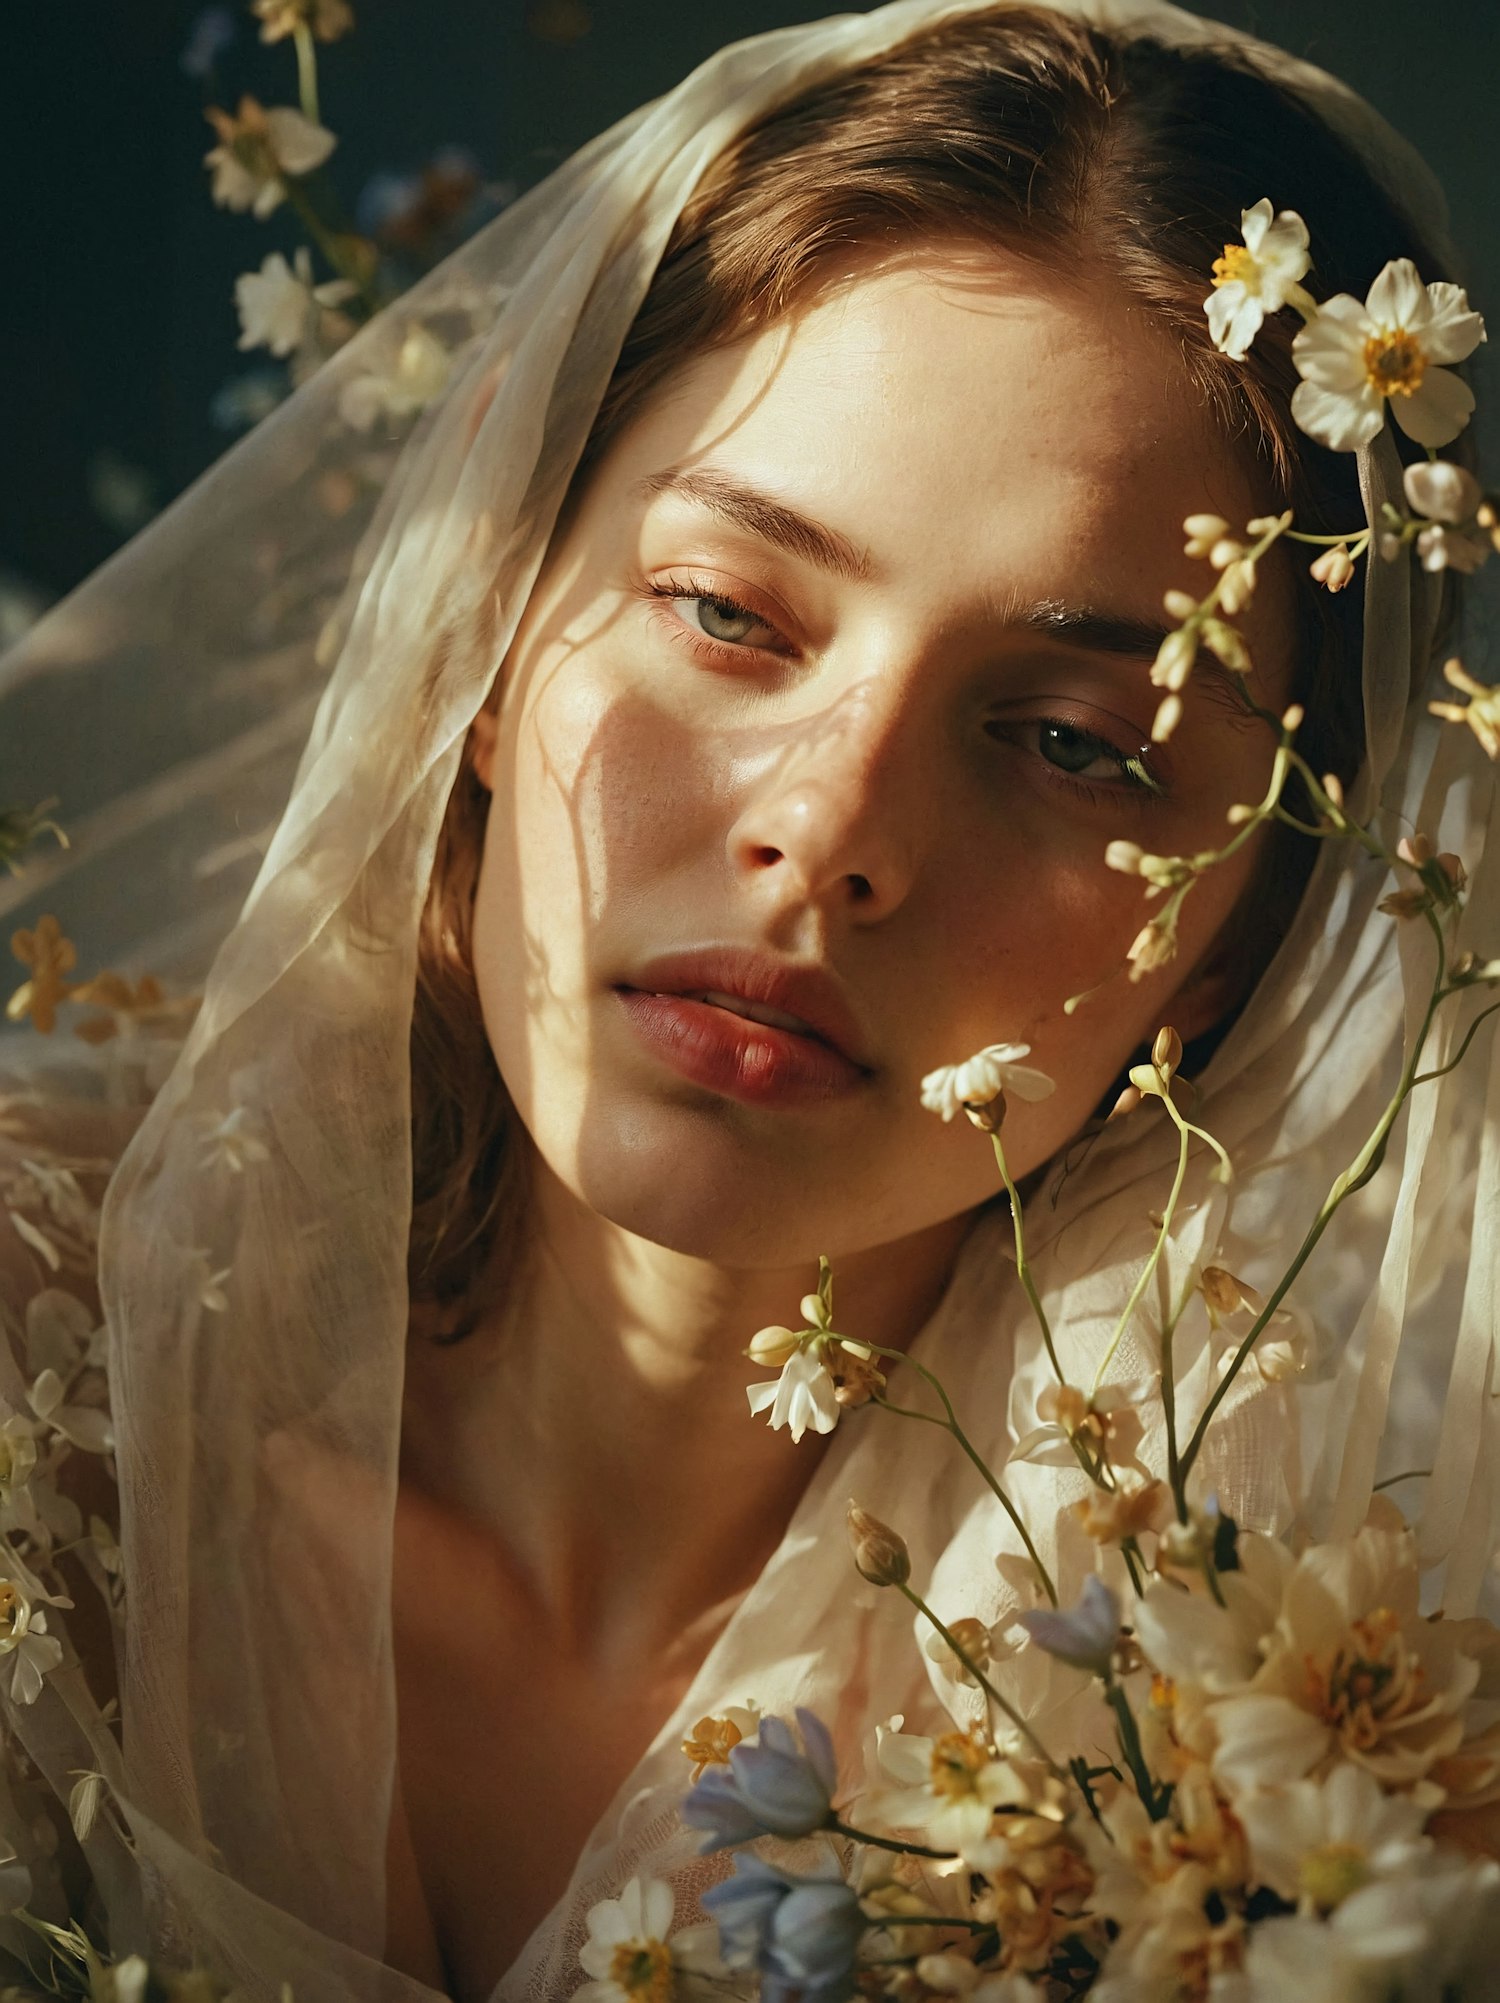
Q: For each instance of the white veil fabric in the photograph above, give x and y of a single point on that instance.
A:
(366, 588)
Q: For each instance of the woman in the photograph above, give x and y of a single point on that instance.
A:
(784, 620)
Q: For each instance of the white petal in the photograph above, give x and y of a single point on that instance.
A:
(1453, 332)
(1441, 492)
(297, 143)
(1255, 222)
(1341, 419)
(657, 1907)
(1398, 298)
(1438, 411)
(1330, 350)
(762, 1395)
(1264, 1739)
(1028, 1084)
(1234, 320)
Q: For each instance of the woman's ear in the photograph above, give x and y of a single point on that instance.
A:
(482, 734)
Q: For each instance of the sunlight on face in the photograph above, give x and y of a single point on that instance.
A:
(827, 704)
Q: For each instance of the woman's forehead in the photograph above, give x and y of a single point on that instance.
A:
(919, 412)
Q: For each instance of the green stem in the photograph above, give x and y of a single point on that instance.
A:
(1022, 1268)
(1001, 1703)
(1138, 1290)
(1130, 1746)
(1411, 1474)
(329, 244)
(1344, 1185)
(307, 72)
(1357, 540)
(950, 1423)
(887, 1842)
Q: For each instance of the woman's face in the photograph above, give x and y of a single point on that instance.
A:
(827, 703)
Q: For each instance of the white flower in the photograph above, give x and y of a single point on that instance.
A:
(803, 1395)
(1442, 492)
(1318, 1658)
(628, 1952)
(1429, 1936)
(1317, 1842)
(232, 1141)
(406, 376)
(948, 1790)
(85, 1426)
(1355, 359)
(1443, 548)
(982, 1078)
(1256, 277)
(23, 1634)
(278, 304)
(257, 149)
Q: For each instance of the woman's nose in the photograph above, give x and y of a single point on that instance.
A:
(835, 819)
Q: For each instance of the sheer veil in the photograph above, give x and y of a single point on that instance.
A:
(363, 589)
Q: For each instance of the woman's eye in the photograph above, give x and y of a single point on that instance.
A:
(722, 619)
(1078, 753)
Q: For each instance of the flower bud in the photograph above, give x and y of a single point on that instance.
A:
(1291, 718)
(1239, 814)
(1174, 661)
(1237, 586)
(1202, 532)
(1225, 552)
(1167, 719)
(1166, 1051)
(879, 1554)
(1127, 1102)
(1180, 604)
(1334, 567)
(772, 1346)
(1228, 644)
(1125, 857)
(1333, 786)
(812, 1310)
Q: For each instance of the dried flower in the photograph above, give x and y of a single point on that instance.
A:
(711, 1742)
(976, 1641)
(1109, 1515)
(51, 958)
(1481, 713)
(328, 19)
(1224, 1295)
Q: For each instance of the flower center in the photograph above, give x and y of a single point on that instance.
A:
(1394, 362)
(643, 1969)
(957, 1757)
(1331, 1872)
(12, 1613)
(1236, 267)
(1372, 1684)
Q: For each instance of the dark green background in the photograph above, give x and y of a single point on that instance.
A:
(118, 322)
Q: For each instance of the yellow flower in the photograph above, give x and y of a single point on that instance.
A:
(711, 1742)
(51, 959)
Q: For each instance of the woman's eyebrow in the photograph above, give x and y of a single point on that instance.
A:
(760, 514)
(1094, 631)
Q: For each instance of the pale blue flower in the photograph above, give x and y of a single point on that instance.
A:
(212, 32)
(1084, 1635)
(798, 1934)
(774, 1788)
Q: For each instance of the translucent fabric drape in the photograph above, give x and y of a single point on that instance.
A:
(363, 588)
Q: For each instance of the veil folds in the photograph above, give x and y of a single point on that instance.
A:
(359, 592)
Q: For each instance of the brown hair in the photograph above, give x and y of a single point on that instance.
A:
(1031, 132)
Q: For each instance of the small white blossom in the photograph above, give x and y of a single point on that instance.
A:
(278, 305)
(1355, 359)
(257, 149)
(23, 1634)
(981, 1079)
(232, 1141)
(1316, 1842)
(407, 374)
(1256, 277)
(628, 1951)
(803, 1396)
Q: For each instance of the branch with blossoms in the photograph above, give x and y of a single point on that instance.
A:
(1282, 1751)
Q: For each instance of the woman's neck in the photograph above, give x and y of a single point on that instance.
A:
(596, 1424)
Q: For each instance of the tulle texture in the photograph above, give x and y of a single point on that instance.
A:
(366, 590)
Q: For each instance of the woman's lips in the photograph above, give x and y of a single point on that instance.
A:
(759, 1063)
